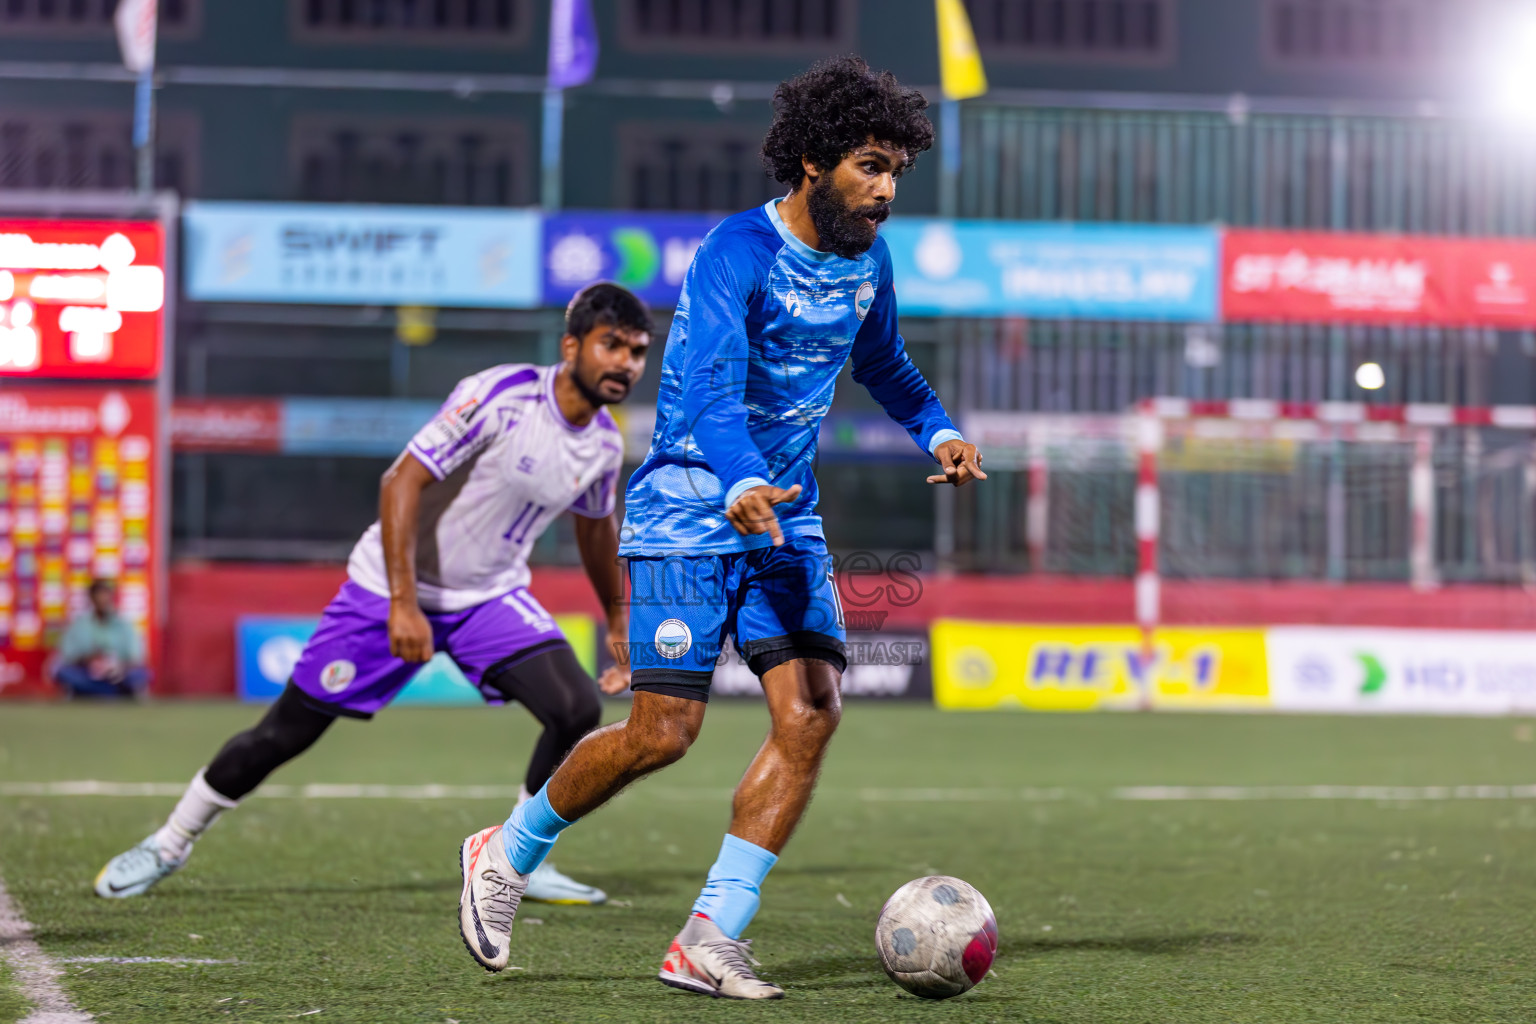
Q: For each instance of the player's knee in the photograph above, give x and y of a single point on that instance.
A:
(809, 722)
(583, 714)
(661, 742)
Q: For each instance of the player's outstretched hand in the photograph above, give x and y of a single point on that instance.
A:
(961, 462)
(410, 634)
(615, 678)
(613, 681)
(753, 511)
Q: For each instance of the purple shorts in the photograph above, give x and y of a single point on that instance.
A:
(347, 668)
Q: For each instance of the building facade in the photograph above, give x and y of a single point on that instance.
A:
(1349, 115)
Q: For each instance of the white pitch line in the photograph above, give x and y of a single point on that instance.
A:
(36, 974)
(688, 794)
(435, 791)
(142, 960)
(1377, 793)
(314, 791)
(943, 796)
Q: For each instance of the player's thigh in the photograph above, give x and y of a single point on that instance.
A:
(346, 666)
(679, 613)
(502, 633)
(789, 608)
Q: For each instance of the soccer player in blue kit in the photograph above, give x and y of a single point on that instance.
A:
(721, 532)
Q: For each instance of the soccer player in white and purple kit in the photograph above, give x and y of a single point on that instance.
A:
(445, 568)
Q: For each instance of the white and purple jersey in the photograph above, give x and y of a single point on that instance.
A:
(507, 463)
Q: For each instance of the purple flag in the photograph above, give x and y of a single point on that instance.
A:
(572, 43)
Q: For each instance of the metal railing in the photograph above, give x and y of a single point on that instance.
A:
(1423, 174)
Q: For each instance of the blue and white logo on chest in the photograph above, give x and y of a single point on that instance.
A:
(863, 299)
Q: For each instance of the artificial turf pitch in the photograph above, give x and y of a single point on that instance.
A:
(1110, 910)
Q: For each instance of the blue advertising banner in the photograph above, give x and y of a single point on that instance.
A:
(647, 253)
(352, 426)
(1070, 271)
(389, 255)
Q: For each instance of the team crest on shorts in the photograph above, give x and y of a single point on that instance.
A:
(337, 676)
(863, 299)
(673, 638)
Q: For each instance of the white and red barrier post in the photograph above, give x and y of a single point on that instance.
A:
(1149, 444)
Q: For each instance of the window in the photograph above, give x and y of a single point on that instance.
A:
(1094, 28)
(456, 161)
(493, 22)
(788, 24)
(1371, 31)
(178, 18)
(692, 167)
(93, 150)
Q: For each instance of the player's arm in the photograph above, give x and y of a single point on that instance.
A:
(714, 388)
(410, 635)
(598, 541)
(881, 364)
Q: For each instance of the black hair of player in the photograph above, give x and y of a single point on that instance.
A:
(834, 108)
(606, 304)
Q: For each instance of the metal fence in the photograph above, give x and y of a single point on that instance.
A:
(1423, 174)
(1236, 505)
(1083, 367)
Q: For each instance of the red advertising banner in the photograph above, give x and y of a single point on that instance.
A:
(77, 501)
(227, 425)
(1382, 279)
(81, 299)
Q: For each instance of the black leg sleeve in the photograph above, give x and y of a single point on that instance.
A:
(560, 694)
(289, 728)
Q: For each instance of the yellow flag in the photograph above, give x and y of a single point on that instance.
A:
(960, 70)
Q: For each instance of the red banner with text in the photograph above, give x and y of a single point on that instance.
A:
(1380, 279)
(77, 502)
(81, 299)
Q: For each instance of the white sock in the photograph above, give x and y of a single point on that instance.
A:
(199, 807)
(523, 796)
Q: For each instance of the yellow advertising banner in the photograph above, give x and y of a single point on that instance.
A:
(985, 665)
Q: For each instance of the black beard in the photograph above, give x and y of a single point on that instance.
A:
(594, 398)
(842, 230)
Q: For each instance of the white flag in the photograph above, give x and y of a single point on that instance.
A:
(135, 20)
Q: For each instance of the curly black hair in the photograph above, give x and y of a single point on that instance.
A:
(834, 108)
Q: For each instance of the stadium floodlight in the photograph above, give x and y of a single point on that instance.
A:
(1370, 376)
(1509, 65)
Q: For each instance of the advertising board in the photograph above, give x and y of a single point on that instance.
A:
(647, 253)
(1402, 671)
(385, 255)
(81, 299)
(1333, 277)
(1070, 271)
(983, 666)
(77, 502)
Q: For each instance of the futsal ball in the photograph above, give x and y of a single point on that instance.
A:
(936, 936)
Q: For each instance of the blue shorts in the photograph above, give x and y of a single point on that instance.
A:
(780, 604)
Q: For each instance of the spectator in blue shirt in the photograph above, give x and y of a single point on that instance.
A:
(101, 654)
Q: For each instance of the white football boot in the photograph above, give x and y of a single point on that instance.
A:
(492, 891)
(134, 871)
(546, 885)
(704, 959)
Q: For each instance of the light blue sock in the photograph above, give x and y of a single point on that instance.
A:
(731, 894)
(531, 831)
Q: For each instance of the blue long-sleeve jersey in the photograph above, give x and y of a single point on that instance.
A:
(762, 330)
